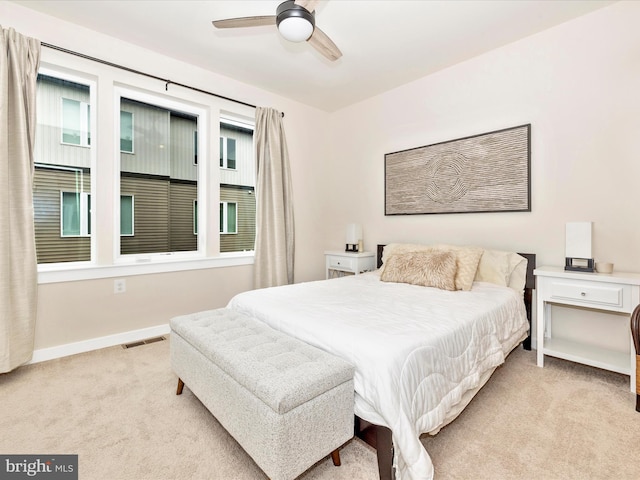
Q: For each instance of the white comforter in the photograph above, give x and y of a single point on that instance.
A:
(416, 350)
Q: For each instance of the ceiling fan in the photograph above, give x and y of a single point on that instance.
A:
(296, 22)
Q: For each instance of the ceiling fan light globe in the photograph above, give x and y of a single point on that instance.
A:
(295, 29)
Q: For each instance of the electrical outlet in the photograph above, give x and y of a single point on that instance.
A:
(119, 285)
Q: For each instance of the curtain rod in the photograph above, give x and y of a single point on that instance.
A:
(138, 72)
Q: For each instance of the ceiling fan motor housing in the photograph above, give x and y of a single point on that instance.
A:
(289, 9)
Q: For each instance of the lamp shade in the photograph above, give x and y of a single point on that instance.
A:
(295, 29)
(354, 233)
(578, 240)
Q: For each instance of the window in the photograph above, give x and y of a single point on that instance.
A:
(62, 182)
(195, 217)
(195, 147)
(126, 132)
(237, 185)
(227, 153)
(162, 176)
(228, 217)
(75, 219)
(75, 122)
(155, 211)
(126, 215)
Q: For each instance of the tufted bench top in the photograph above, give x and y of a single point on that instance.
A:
(280, 370)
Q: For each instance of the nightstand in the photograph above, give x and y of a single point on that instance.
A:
(617, 292)
(341, 263)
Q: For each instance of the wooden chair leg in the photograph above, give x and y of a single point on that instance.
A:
(335, 456)
(180, 387)
(635, 334)
(637, 383)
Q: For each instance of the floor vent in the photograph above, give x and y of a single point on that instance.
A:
(143, 342)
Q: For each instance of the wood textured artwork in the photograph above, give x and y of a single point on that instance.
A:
(483, 173)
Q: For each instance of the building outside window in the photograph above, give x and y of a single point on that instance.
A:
(62, 174)
(237, 186)
(156, 175)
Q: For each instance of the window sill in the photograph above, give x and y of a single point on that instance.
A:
(87, 271)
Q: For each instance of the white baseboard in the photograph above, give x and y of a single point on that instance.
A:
(60, 351)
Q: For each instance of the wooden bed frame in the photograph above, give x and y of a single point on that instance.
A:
(379, 437)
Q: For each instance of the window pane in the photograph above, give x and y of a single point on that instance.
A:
(126, 132)
(221, 151)
(195, 217)
(162, 179)
(223, 211)
(70, 121)
(237, 187)
(231, 153)
(126, 215)
(87, 215)
(195, 147)
(231, 217)
(70, 213)
(62, 176)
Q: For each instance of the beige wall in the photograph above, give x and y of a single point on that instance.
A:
(72, 312)
(577, 84)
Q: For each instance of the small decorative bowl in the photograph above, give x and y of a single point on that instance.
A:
(604, 267)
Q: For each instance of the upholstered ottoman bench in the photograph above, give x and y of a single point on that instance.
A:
(288, 404)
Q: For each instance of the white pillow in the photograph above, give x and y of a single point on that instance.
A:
(502, 268)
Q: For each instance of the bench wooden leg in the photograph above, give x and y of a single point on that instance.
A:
(335, 456)
(180, 387)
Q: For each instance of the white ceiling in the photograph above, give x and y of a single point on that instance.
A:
(384, 43)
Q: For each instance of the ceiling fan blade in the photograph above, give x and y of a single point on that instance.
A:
(245, 22)
(321, 42)
(308, 4)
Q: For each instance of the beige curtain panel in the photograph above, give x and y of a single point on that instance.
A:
(19, 59)
(274, 253)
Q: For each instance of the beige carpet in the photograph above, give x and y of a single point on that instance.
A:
(118, 411)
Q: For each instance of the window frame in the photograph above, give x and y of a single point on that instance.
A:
(175, 104)
(86, 79)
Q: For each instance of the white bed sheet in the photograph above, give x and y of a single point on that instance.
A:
(416, 350)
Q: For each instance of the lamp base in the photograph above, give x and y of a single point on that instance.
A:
(351, 247)
(579, 264)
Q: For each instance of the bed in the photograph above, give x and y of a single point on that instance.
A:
(421, 352)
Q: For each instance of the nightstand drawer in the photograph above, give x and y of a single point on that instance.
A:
(342, 263)
(591, 293)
